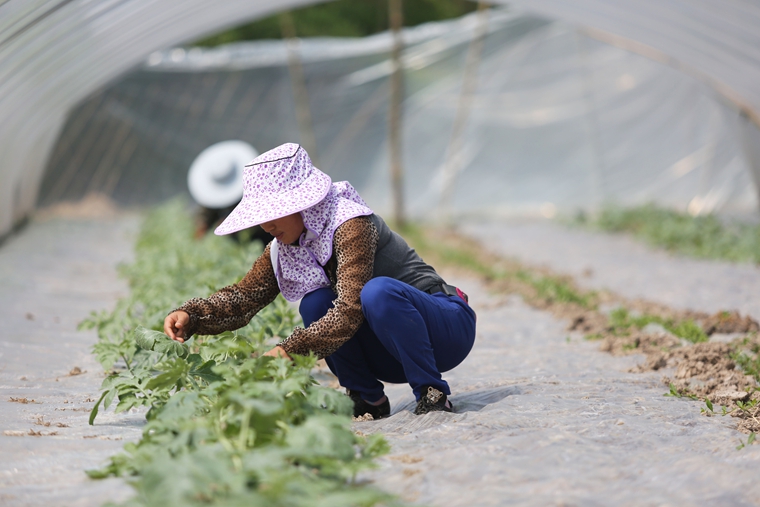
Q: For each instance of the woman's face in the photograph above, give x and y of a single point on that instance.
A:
(286, 229)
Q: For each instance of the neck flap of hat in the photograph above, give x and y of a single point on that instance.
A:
(299, 268)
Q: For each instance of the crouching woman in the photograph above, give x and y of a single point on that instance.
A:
(371, 307)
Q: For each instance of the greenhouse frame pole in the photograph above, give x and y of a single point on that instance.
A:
(298, 81)
(396, 16)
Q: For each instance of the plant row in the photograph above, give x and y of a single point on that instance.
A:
(225, 425)
(706, 236)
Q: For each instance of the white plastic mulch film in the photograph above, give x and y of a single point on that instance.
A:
(559, 121)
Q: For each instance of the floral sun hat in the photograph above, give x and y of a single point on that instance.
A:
(277, 183)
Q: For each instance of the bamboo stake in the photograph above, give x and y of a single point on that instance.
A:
(453, 159)
(396, 16)
(298, 81)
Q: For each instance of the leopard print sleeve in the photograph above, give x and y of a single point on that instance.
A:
(234, 306)
(354, 245)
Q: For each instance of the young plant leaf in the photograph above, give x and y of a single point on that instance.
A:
(94, 411)
(147, 339)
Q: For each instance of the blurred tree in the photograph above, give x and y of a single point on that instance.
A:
(343, 18)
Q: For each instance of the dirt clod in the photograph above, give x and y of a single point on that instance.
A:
(729, 322)
(33, 433)
(406, 458)
(21, 400)
(729, 397)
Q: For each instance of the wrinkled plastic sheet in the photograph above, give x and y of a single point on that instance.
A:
(558, 122)
(544, 418)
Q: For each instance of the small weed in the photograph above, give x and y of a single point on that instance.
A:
(688, 330)
(673, 391)
(621, 322)
(746, 406)
(742, 444)
(748, 362)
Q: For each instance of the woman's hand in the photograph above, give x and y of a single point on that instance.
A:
(175, 324)
(278, 352)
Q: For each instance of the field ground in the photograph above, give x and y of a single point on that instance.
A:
(52, 275)
(543, 417)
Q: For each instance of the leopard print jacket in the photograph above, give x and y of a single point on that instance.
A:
(349, 269)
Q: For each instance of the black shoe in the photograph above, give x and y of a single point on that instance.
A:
(432, 400)
(361, 407)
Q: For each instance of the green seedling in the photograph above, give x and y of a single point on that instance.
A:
(239, 427)
(746, 406)
(673, 391)
(749, 441)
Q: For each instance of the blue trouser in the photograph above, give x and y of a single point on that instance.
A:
(407, 336)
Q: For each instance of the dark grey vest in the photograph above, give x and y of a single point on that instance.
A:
(394, 258)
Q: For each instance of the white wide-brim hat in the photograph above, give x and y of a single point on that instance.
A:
(276, 184)
(215, 178)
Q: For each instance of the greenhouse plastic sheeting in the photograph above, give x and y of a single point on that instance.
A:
(717, 41)
(621, 127)
(54, 53)
(559, 122)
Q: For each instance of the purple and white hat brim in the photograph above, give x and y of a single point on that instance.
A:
(257, 210)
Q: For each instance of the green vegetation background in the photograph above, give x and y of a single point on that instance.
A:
(343, 18)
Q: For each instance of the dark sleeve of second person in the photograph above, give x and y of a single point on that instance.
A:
(235, 305)
(354, 245)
